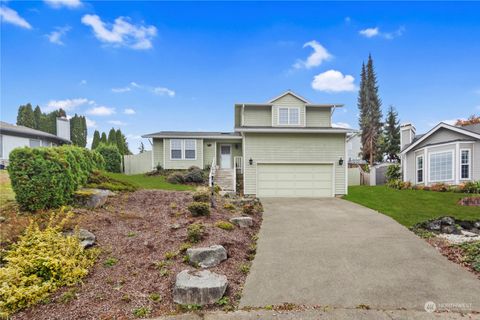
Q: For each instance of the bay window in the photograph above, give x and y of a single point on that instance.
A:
(441, 166)
(419, 169)
(465, 164)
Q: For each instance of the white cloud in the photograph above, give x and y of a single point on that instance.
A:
(83, 82)
(333, 81)
(129, 111)
(163, 91)
(117, 122)
(56, 35)
(90, 123)
(341, 125)
(122, 32)
(121, 90)
(11, 16)
(319, 55)
(64, 3)
(375, 32)
(101, 111)
(67, 104)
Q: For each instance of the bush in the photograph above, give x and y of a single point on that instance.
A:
(195, 232)
(99, 180)
(472, 254)
(469, 187)
(199, 209)
(225, 225)
(39, 263)
(202, 195)
(248, 208)
(393, 172)
(229, 206)
(399, 184)
(439, 187)
(193, 168)
(48, 177)
(176, 178)
(194, 175)
(112, 157)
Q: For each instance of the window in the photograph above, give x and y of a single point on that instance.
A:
(419, 169)
(465, 164)
(441, 166)
(176, 149)
(289, 116)
(183, 149)
(34, 143)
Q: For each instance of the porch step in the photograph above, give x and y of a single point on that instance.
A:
(224, 179)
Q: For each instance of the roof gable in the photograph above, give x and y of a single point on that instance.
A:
(289, 94)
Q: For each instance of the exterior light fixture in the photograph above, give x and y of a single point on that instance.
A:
(209, 144)
(340, 162)
(250, 162)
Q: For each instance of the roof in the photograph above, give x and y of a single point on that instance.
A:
(7, 128)
(193, 134)
(291, 93)
(441, 125)
(472, 127)
(307, 103)
(292, 129)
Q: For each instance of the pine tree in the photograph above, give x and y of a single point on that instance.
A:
(96, 140)
(141, 148)
(25, 116)
(363, 112)
(78, 131)
(119, 141)
(103, 139)
(112, 137)
(391, 132)
(37, 118)
(84, 131)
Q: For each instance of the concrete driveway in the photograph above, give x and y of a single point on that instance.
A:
(337, 253)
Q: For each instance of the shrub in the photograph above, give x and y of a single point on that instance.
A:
(112, 157)
(193, 168)
(141, 312)
(225, 225)
(248, 208)
(393, 172)
(195, 232)
(472, 254)
(176, 178)
(39, 263)
(470, 187)
(199, 209)
(202, 195)
(399, 184)
(48, 177)
(217, 188)
(194, 176)
(229, 206)
(439, 187)
(99, 180)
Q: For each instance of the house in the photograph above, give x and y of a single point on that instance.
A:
(285, 147)
(12, 136)
(354, 148)
(445, 154)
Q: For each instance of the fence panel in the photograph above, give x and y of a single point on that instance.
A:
(138, 163)
(354, 176)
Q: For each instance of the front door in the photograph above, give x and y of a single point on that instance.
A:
(225, 156)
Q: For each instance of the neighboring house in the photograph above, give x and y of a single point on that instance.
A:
(447, 154)
(285, 147)
(354, 148)
(12, 136)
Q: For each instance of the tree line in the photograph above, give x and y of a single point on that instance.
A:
(47, 122)
(115, 137)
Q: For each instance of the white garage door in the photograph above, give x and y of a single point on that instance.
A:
(294, 180)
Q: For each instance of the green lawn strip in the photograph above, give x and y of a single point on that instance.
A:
(410, 207)
(149, 182)
(6, 191)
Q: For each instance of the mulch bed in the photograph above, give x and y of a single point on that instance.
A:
(138, 229)
(470, 201)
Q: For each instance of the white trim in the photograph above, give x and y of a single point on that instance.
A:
(183, 149)
(453, 165)
(439, 126)
(469, 164)
(153, 158)
(345, 163)
(244, 162)
(294, 130)
(226, 137)
(164, 154)
(423, 168)
(289, 92)
(443, 145)
(288, 124)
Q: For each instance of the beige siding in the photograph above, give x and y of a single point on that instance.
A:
(158, 152)
(236, 149)
(257, 116)
(318, 117)
(294, 148)
(183, 164)
(208, 152)
(301, 115)
(288, 100)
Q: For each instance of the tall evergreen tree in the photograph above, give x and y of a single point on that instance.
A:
(25, 116)
(37, 118)
(84, 131)
(363, 111)
(112, 137)
(78, 131)
(119, 141)
(96, 140)
(103, 139)
(391, 132)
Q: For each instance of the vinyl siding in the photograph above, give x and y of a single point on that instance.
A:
(208, 152)
(183, 164)
(257, 116)
(318, 117)
(158, 152)
(236, 152)
(301, 108)
(442, 135)
(294, 148)
(476, 161)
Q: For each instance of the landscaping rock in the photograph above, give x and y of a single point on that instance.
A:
(207, 257)
(92, 198)
(87, 239)
(2, 219)
(476, 224)
(434, 225)
(199, 287)
(242, 222)
(450, 230)
(448, 221)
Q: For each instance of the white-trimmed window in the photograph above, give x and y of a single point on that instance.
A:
(465, 159)
(441, 166)
(288, 116)
(181, 149)
(34, 143)
(419, 169)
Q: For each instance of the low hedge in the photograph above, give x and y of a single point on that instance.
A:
(47, 177)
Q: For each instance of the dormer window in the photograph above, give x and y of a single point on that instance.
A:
(288, 116)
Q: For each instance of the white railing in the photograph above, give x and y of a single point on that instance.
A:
(238, 161)
(213, 169)
(235, 180)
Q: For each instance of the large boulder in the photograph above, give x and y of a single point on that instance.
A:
(91, 198)
(242, 222)
(207, 257)
(447, 221)
(199, 287)
(87, 239)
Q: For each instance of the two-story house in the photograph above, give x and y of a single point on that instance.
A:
(286, 147)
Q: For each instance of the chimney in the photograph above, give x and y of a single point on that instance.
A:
(407, 134)
(63, 128)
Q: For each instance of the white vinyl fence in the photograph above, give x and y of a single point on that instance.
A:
(138, 163)
(354, 176)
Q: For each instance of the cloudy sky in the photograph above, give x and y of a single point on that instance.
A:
(151, 66)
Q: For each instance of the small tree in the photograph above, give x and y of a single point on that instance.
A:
(103, 139)
(112, 138)
(112, 157)
(96, 140)
(25, 116)
(473, 119)
(393, 172)
(391, 133)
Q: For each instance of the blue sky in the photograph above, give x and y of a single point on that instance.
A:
(151, 66)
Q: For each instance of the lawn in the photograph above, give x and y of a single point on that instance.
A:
(6, 192)
(410, 207)
(150, 182)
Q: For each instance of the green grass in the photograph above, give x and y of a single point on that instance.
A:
(149, 182)
(6, 192)
(410, 207)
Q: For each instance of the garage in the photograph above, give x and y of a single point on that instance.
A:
(294, 180)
